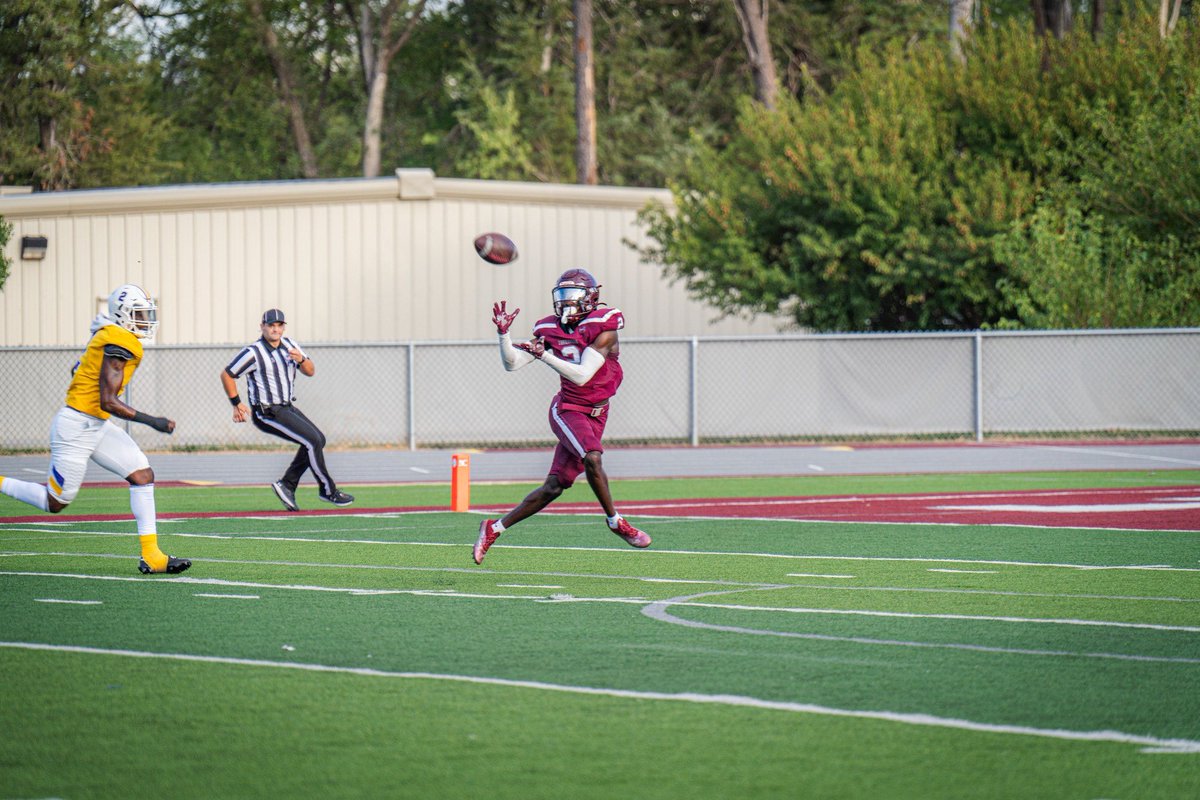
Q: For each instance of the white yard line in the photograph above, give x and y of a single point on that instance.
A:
(68, 602)
(966, 571)
(1148, 744)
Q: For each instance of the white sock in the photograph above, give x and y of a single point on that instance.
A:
(35, 494)
(498, 527)
(614, 520)
(141, 502)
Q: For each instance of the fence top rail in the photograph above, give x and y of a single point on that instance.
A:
(781, 337)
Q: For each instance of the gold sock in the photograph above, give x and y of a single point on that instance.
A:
(156, 558)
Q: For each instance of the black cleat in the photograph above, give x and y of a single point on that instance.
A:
(286, 496)
(174, 566)
(338, 498)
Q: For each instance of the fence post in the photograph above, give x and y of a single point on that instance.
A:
(979, 386)
(412, 399)
(693, 411)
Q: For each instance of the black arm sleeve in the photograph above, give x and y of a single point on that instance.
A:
(158, 423)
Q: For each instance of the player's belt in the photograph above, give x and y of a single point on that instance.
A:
(591, 411)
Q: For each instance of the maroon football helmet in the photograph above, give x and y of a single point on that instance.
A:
(576, 294)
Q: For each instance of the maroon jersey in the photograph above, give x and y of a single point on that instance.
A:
(569, 346)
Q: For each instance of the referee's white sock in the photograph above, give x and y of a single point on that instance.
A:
(35, 494)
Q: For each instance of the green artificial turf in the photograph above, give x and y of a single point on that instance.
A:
(569, 665)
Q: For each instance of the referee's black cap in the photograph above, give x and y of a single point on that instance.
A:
(273, 315)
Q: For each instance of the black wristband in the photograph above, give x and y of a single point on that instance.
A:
(158, 423)
(235, 401)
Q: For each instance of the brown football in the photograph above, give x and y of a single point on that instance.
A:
(495, 248)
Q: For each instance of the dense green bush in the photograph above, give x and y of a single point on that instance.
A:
(5, 233)
(924, 194)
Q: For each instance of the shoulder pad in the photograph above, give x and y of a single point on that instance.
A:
(604, 319)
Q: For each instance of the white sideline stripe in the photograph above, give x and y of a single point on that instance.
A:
(658, 551)
(856, 520)
(601, 576)
(70, 602)
(527, 586)
(1149, 744)
(403, 568)
(1119, 454)
(887, 559)
(825, 500)
(1085, 509)
(227, 596)
(815, 575)
(728, 554)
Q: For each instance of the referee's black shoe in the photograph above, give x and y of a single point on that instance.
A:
(338, 498)
(286, 496)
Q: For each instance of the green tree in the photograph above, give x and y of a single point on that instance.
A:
(224, 95)
(75, 106)
(5, 264)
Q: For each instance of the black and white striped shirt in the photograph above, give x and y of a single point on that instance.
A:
(270, 372)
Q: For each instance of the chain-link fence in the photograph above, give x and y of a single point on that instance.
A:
(689, 390)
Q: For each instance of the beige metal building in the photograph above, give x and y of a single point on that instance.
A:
(355, 260)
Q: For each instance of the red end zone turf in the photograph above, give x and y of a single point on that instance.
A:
(1147, 508)
(1144, 508)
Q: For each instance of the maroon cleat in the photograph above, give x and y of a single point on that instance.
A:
(630, 534)
(487, 536)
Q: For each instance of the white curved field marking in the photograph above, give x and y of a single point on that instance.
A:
(658, 611)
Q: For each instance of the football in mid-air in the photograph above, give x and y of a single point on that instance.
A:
(495, 248)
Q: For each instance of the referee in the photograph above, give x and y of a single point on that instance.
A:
(270, 365)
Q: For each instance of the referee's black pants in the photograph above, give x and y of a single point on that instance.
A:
(289, 422)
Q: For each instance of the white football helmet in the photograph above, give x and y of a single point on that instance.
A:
(132, 309)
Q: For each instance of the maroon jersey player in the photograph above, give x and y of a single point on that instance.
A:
(579, 342)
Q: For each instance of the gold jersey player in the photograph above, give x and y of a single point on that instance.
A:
(82, 429)
(579, 342)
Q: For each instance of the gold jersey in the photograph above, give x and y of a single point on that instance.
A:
(84, 392)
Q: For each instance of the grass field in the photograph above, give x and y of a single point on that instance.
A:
(364, 655)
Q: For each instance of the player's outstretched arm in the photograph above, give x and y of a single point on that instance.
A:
(112, 372)
(511, 356)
